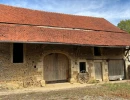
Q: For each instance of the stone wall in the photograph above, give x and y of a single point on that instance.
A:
(30, 73)
(26, 73)
(85, 54)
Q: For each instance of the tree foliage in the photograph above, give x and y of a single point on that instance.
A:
(124, 25)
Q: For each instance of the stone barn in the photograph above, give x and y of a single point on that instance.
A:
(38, 48)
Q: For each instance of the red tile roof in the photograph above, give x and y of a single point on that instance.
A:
(26, 16)
(109, 35)
(50, 35)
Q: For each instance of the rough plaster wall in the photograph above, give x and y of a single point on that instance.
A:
(4, 61)
(34, 62)
(25, 74)
(113, 53)
(105, 70)
(30, 73)
(85, 54)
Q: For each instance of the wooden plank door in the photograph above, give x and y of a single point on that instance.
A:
(98, 70)
(56, 67)
(115, 69)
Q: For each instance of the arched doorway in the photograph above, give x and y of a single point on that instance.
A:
(56, 68)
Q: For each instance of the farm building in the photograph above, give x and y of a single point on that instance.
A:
(37, 48)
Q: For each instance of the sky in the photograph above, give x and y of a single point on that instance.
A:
(112, 10)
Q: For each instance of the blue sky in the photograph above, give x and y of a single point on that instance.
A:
(112, 10)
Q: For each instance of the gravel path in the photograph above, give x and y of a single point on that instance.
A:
(101, 98)
(79, 93)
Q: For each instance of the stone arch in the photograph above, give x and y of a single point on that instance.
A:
(45, 54)
(57, 51)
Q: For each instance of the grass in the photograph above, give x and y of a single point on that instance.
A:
(117, 86)
(112, 89)
(119, 89)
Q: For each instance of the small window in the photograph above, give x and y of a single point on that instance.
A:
(97, 51)
(17, 53)
(82, 67)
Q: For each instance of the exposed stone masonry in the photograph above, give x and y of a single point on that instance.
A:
(30, 73)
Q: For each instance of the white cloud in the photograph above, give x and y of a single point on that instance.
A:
(114, 13)
(112, 10)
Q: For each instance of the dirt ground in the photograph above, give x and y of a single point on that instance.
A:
(63, 92)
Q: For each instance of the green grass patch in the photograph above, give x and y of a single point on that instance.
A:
(117, 86)
(111, 89)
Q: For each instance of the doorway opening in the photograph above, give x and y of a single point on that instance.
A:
(56, 68)
(116, 70)
(98, 71)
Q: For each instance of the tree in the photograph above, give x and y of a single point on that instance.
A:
(124, 25)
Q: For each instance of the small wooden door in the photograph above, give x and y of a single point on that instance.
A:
(56, 67)
(98, 70)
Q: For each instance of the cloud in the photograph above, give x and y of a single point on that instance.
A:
(114, 13)
(112, 10)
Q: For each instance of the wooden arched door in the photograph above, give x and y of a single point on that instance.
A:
(56, 68)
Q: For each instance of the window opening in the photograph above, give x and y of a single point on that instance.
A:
(17, 53)
(82, 67)
(97, 51)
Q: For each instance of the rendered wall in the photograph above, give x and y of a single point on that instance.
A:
(30, 73)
